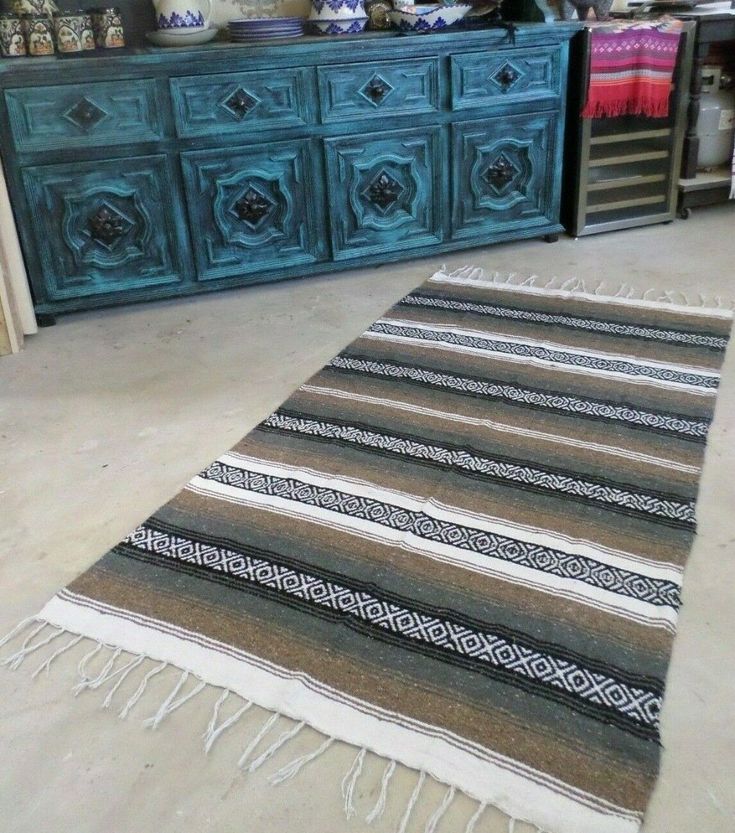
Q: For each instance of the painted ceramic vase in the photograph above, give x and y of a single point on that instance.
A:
(68, 28)
(337, 10)
(108, 28)
(35, 8)
(39, 35)
(12, 37)
(181, 16)
(87, 36)
(339, 27)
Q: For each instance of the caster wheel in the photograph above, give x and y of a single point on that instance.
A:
(685, 213)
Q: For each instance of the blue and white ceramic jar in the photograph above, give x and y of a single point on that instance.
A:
(182, 16)
(338, 17)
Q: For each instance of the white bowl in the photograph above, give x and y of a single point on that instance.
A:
(426, 18)
(348, 26)
(337, 9)
(164, 37)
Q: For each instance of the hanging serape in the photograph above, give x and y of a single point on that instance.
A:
(631, 68)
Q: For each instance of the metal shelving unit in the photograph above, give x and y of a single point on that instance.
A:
(625, 168)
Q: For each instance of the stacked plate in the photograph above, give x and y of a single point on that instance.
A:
(247, 30)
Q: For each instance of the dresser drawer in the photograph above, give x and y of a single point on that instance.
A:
(83, 115)
(241, 102)
(103, 227)
(386, 190)
(377, 89)
(481, 79)
(253, 208)
(505, 175)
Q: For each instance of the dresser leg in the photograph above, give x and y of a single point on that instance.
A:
(551, 238)
(45, 319)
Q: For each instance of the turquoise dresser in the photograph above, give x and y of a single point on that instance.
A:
(159, 173)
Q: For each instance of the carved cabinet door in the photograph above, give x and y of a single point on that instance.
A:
(386, 191)
(505, 174)
(108, 226)
(253, 208)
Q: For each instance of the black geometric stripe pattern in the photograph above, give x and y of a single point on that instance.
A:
(531, 351)
(596, 325)
(633, 704)
(663, 508)
(686, 427)
(658, 592)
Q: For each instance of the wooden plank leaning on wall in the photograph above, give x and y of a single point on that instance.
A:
(16, 308)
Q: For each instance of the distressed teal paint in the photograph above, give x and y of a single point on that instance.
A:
(224, 165)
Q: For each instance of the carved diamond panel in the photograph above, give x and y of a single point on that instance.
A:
(85, 114)
(383, 191)
(507, 76)
(376, 90)
(240, 103)
(252, 207)
(108, 227)
(500, 173)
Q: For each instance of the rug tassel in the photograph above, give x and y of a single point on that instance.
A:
(349, 782)
(285, 737)
(475, 818)
(138, 693)
(123, 672)
(170, 704)
(96, 682)
(379, 807)
(436, 817)
(412, 803)
(290, 770)
(17, 629)
(215, 717)
(15, 660)
(82, 667)
(211, 737)
(264, 729)
(46, 664)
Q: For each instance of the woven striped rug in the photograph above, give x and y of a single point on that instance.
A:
(459, 547)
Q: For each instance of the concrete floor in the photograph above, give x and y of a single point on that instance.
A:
(106, 415)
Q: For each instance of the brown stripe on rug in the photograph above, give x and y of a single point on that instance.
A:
(459, 547)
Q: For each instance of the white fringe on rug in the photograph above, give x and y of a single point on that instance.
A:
(46, 634)
(622, 293)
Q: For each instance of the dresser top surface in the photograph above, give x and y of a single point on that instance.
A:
(306, 50)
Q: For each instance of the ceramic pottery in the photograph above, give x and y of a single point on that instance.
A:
(339, 27)
(337, 10)
(39, 35)
(87, 35)
(35, 8)
(194, 38)
(266, 28)
(108, 28)
(182, 15)
(69, 28)
(427, 18)
(12, 38)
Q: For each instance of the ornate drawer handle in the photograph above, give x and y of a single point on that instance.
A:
(252, 207)
(240, 103)
(383, 191)
(500, 174)
(377, 90)
(506, 76)
(106, 226)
